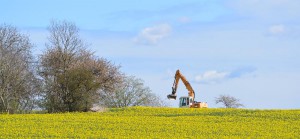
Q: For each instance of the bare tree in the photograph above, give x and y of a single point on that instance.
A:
(131, 92)
(229, 101)
(62, 49)
(18, 82)
(72, 75)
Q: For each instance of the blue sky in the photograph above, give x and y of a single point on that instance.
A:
(248, 49)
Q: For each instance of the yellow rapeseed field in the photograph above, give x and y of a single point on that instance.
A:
(145, 122)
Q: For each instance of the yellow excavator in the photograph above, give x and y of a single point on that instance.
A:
(185, 101)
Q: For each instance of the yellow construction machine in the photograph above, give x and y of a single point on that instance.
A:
(185, 101)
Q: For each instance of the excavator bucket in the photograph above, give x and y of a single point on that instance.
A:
(172, 97)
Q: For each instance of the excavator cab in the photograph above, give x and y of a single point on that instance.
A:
(185, 102)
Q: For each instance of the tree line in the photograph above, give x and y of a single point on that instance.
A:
(66, 77)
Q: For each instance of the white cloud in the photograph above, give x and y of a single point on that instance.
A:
(184, 19)
(280, 30)
(277, 29)
(212, 76)
(151, 35)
